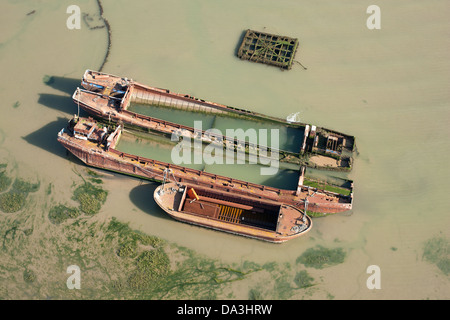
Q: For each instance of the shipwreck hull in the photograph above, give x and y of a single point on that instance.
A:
(269, 237)
(149, 169)
(115, 95)
(100, 107)
(228, 212)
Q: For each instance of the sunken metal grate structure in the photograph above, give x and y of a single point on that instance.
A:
(268, 48)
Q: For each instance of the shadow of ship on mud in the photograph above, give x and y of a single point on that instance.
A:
(46, 137)
(66, 85)
(142, 197)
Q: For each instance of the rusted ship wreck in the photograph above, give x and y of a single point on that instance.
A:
(109, 97)
(94, 144)
(229, 212)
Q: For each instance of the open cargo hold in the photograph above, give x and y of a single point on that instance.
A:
(233, 213)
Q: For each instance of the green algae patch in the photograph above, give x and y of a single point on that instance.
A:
(303, 279)
(12, 201)
(26, 187)
(96, 180)
(151, 265)
(132, 238)
(314, 214)
(90, 197)
(15, 199)
(48, 79)
(321, 257)
(327, 187)
(94, 176)
(29, 276)
(5, 181)
(437, 251)
(255, 294)
(150, 260)
(282, 282)
(60, 213)
(160, 270)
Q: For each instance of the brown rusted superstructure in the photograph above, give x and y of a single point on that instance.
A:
(95, 146)
(109, 96)
(229, 212)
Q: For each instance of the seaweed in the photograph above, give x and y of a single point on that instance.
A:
(15, 199)
(96, 180)
(282, 288)
(60, 213)
(48, 79)
(255, 294)
(29, 276)
(151, 265)
(92, 173)
(5, 181)
(193, 277)
(49, 189)
(303, 279)
(437, 251)
(12, 201)
(321, 257)
(327, 187)
(94, 176)
(128, 249)
(25, 186)
(130, 239)
(90, 197)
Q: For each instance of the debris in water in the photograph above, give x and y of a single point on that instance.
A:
(293, 117)
(268, 48)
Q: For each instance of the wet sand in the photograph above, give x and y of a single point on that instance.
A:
(388, 88)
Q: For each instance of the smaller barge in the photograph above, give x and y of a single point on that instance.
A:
(228, 212)
(94, 144)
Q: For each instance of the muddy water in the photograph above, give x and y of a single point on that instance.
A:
(387, 87)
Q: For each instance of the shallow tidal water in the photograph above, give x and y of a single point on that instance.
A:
(387, 87)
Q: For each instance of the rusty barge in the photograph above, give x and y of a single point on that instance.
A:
(109, 97)
(228, 212)
(95, 144)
